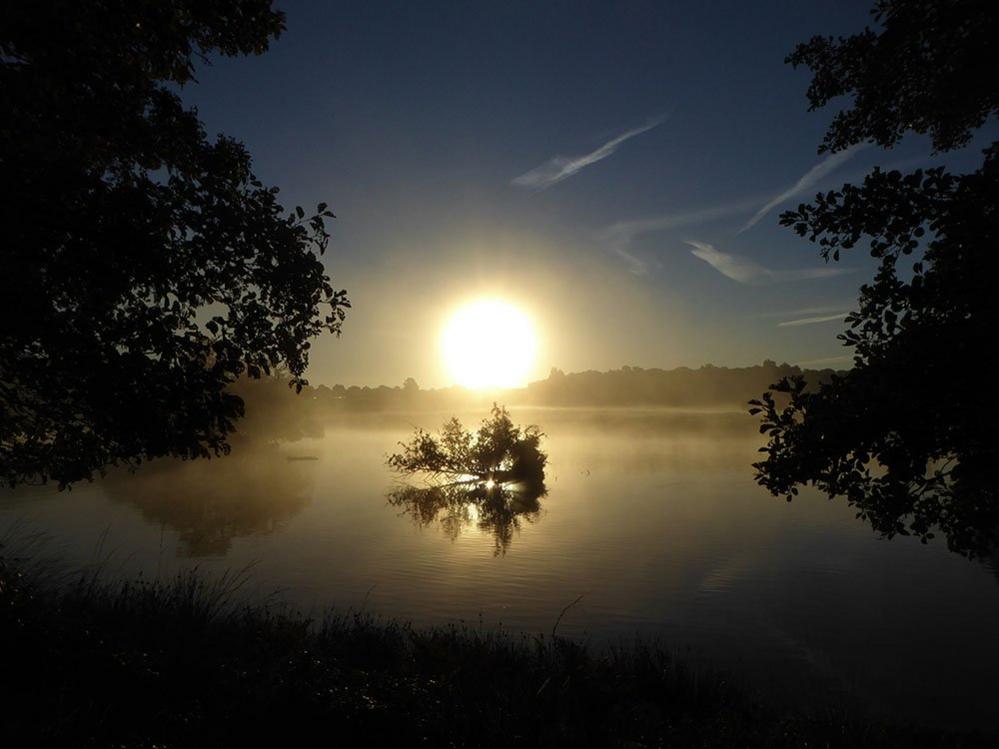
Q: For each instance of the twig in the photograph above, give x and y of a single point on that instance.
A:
(364, 603)
(555, 627)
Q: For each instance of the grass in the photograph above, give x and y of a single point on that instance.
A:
(183, 662)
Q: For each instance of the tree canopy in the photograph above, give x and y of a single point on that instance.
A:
(499, 452)
(906, 434)
(144, 266)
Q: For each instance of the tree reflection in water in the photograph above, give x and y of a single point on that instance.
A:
(492, 477)
(209, 503)
(498, 508)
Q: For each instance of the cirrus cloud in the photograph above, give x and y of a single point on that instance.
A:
(745, 270)
(559, 168)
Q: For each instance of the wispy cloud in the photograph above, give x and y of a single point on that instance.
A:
(808, 180)
(627, 230)
(559, 168)
(618, 236)
(827, 309)
(811, 320)
(635, 264)
(745, 270)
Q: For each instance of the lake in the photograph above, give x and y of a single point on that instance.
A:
(651, 516)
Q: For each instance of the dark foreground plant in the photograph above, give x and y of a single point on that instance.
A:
(144, 268)
(181, 663)
(907, 435)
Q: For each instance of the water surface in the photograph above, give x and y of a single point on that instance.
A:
(651, 516)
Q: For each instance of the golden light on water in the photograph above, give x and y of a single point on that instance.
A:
(489, 343)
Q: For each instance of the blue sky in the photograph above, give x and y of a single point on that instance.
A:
(599, 164)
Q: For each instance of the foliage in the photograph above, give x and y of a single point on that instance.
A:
(907, 434)
(144, 266)
(498, 451)
(926, 71)
(499, 471)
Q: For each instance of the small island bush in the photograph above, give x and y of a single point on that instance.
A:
(499, 452)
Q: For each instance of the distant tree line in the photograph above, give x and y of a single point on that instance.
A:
(707, 386)
(273, 409)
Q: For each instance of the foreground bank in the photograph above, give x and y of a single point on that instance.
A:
(181, 663)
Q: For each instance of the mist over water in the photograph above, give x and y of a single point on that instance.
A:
(651, 515)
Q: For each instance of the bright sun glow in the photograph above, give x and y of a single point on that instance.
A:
(489, 343)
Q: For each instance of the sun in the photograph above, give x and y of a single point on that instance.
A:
(489, 343)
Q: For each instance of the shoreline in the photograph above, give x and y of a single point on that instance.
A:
(183, 662)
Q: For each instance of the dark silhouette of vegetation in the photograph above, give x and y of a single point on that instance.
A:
(181, 662)
(497, 453)
(144, 267)
(907, 435)
(708, 386)
(492, 478)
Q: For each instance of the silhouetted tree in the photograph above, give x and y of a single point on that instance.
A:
(144, 267)
(498, 452)
(906, 436)
(499, 471)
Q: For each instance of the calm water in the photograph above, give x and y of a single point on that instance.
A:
(651, 516)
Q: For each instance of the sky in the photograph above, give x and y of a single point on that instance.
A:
(615, 170)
